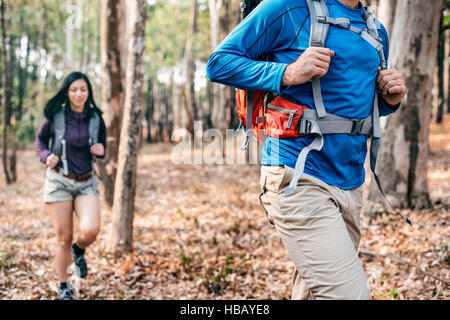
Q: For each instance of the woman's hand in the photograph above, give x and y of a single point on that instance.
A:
(98, 150)
(52, 161)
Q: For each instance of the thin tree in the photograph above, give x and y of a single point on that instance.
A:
(112, 93)
(440, 63)
(189, 90)
(402, 163)
(228, 22)
(386, 13)
(448, 71)
(5, 96)
(218, 112)
(125, 189)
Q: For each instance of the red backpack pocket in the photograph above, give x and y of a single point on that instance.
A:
(282, 118)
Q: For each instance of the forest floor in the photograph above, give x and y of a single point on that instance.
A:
(200, 233)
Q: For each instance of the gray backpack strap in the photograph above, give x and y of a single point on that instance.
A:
(59, 122)
(248, 125)
(59, 143)
(333, 124)
(316, 145)
(94, 127)
(319, 30)
(371, 35)
(318, 11)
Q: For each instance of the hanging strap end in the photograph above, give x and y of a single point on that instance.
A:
(245, 144)
(289, 191)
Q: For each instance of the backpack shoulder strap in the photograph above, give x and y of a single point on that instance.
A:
(318, 12)
(94, 127)
(372, 36)
(319, 30)
(59, 144)
(59, 123)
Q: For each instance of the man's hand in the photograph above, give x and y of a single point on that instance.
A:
(314, 62)
(52, 161)
(392, 86)
(98, 150)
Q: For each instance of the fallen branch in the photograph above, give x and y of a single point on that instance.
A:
(402, 261)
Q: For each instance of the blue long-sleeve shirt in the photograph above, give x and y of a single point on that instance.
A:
(282, 28)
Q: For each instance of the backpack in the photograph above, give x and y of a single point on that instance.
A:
(265, 112)
(58, 144)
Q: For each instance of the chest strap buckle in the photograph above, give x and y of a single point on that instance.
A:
(357, 126)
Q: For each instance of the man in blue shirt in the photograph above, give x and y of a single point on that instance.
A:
(319, 225)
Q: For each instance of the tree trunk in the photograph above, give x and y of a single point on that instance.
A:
(22, 75)
(448, 71)
(149, 114)
(218, 112)
(156, 114)
(176, 105)
(86, 32)
(168, 117)
(69, 38)
(189, 90)
(403, 159)
(228, 23)
(386, 14)
(123, 209)
(112, 92)
(11, 117)
(5, 96)
(96, 41)
(440, 63)
(124, 30)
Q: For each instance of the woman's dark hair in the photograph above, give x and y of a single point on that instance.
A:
(60, 98)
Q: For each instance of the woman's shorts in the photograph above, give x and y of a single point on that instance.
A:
(60, 188)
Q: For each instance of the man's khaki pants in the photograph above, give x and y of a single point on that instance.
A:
(319, 226)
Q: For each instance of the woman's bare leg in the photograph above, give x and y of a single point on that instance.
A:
(61, 213)
(87, 208)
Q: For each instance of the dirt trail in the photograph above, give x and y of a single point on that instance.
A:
(200, 233)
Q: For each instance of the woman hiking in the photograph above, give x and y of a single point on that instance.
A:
(71, 135)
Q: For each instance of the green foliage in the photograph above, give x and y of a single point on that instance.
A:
(197, 224)
(25, 132)
(185, 259)
(120, 295)
(393, 294)
(7, 257)
(166, 31)
(166, 34)
(446, 15)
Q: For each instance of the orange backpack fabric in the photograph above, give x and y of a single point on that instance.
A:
(279, 118)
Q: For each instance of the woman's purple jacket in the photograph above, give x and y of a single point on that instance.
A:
(78, 153)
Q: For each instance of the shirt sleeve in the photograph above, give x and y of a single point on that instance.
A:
(102, 135)
(233, 63)
(42, 141)
(385, 108)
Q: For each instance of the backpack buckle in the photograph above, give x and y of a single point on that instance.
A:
(317, 43)
(357, 126)
(322, 19)
(304, 126)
